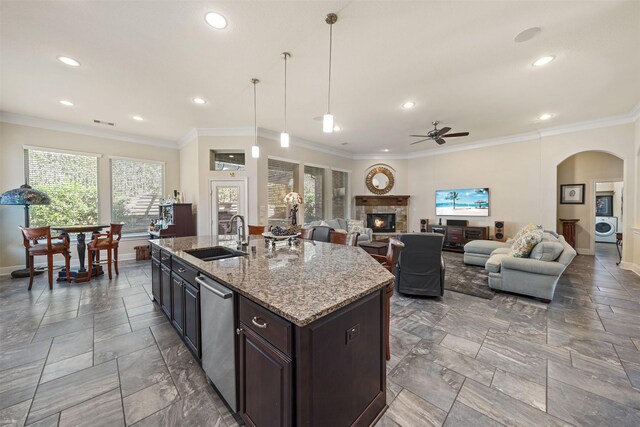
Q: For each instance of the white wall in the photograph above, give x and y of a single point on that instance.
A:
(633, 218)
(400, 168)
(14, 137)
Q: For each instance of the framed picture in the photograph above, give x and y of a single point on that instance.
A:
(604, 205)
(572, 194)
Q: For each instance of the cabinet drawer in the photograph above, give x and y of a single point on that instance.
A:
(165, 258)
(155, 252)
(455, 238)
(454, 231)
(269, 326)
(187, 272)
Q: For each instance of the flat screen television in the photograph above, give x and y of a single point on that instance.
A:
(462, 202)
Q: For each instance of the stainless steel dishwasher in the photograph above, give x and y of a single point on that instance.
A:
(218, 337)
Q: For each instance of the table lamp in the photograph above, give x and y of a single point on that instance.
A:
(25, 196)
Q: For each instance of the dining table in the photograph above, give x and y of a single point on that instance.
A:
(81, 274)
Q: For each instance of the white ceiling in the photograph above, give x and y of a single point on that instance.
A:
(456, 59)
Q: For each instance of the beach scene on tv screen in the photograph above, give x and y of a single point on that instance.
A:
(463, 202)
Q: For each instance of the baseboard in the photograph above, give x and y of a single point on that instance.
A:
(584, 251)
(5, 271)
(633, 267)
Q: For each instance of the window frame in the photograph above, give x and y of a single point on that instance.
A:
(133, 159)
(326, 189)
(296, 180)
(98, 156)
(347, 193)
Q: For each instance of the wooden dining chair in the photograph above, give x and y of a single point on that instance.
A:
(389, 261)
(256, 230)
(340, 238)
(105, 242)
(306, 233)
(31, 237)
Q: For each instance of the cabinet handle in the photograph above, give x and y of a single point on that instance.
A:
(262, 325)
(239, 331)
(182, 270)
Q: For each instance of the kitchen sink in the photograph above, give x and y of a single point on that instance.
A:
(214, 253)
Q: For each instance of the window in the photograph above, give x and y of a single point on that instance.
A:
(136, 189)
(282, 178)
(70, 180)
(339, 202)
(313, 193)
(226, 161)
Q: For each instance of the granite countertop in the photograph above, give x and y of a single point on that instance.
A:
(301, 283)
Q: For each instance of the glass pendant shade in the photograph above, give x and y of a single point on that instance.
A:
(284, 140)
(255, 151)
(327, 123)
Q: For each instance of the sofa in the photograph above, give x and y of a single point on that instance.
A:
(366, 234)
(534, 273)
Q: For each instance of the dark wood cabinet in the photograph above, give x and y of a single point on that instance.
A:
(192, 318)
(456, 236)
(165, 290)
(155, 279)
(178, 218)
(177, 304)
(266, 382)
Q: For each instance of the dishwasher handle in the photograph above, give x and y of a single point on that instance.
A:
(216, 288)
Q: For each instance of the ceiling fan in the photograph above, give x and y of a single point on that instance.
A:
(437, 134)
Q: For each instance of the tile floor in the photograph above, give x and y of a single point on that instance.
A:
(101, 353)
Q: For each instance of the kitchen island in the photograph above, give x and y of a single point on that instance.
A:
(305, 331)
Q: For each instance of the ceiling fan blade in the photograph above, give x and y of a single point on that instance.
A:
(413, 143)
(442, 132)
(440, 141)
(421, 136)
(453, 135)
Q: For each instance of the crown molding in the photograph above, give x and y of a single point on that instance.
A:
(18, 119)
(303, 143)
(187, 138)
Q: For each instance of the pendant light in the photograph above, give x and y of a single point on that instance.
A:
(327, 119)
(255, 149)
(284, 136)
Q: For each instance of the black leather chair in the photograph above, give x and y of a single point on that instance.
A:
(421, 268)
(322, 233)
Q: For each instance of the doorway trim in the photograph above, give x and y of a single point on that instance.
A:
(244, 182)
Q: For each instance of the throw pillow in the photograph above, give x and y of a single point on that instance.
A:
(355, 226)
(527, 228)
(524, 245)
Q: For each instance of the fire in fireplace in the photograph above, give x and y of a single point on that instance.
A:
(382, 222)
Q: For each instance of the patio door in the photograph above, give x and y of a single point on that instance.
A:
(228, 198)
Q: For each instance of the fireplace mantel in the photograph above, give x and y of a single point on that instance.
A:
(382, 200)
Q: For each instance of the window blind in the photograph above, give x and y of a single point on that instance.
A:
(313, 193)
(136, 189)
(340, 184)
(70, 180)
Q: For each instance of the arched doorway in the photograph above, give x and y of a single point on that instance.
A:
(588, 168)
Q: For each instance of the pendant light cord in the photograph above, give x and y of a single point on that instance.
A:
(285, 92)
(330, 49)
(255, 115)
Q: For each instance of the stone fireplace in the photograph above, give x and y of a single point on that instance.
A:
(381, 222)
(366, 206)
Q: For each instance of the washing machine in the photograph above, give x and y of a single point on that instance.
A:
(606, 229)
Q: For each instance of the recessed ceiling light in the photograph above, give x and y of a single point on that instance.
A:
(66, 103)
(137, 118)
(216, 20)
(545, 116)
(199, 101)
(408, 104)
(69, 61)
(527, 34)
(337, 128)
(386, 150)
(543, 60)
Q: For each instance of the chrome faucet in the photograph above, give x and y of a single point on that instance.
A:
(241, 235)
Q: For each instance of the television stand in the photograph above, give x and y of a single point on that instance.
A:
(456, 236)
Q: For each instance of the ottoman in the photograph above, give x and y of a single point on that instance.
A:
(477, 252)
